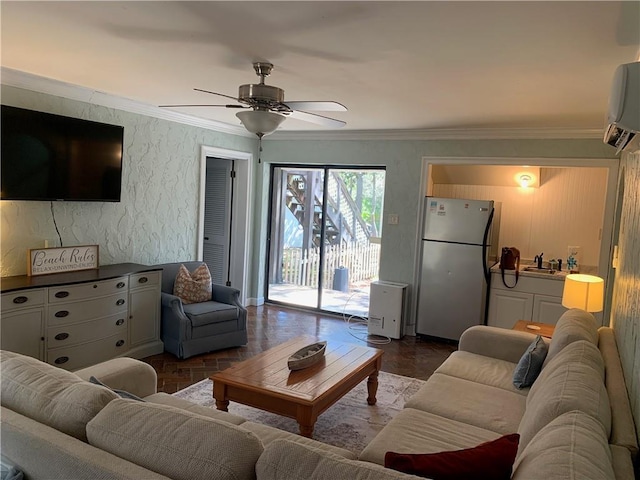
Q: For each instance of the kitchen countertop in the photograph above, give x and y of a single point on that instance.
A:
(558, 275)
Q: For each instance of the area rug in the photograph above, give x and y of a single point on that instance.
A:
(350, 423)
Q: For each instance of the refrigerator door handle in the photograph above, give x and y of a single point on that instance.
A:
(487, 273)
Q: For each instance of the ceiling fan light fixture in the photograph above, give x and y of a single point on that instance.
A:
(260, 122)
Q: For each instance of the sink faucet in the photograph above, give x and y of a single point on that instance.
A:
(538, 260)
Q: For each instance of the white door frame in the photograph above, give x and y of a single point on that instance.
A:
(241, 213)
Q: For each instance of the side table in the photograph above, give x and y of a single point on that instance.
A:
(544, 329)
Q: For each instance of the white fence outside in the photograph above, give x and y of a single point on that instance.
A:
(302, 267)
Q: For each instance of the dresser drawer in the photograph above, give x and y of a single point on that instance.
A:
(73, 312)
(66, 335)
(23, 299)
(145, 279)
(85, 354)
(88, 290)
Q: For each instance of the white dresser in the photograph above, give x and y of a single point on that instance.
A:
(73, 320)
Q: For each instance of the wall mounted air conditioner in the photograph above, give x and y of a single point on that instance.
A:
(623, 118)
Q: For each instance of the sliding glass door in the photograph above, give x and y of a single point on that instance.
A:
(324, 237)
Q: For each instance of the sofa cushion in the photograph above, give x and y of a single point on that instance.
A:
(481, 369)
(206, 313)
(50, 395)
(42, 452)
(469, 402)
(572, 386)
(285, 459)
(530, 364)
(491, 460)
(174, 442)
(572, 445)
(166, 399)
(573, 325)
(193, 287)
(583, 352)
(415, 431)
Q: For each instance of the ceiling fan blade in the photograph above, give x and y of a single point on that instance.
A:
(205, 105)
(318, 119)
(216, 93)
(317, 106)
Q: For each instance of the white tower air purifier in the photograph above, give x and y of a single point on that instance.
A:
(386, 304)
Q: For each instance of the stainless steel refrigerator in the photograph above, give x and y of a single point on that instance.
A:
(459, 245)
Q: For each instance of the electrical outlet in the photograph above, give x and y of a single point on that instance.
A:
(393, 219)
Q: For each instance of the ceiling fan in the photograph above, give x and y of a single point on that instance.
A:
(265, 107)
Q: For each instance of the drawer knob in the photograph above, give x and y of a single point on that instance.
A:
(61, 336)
(120, 321)
(61, 314)
(62, 294)
(121, 285)
(120, 302)
(143, 280)
(95, 286)
(61, 360)
(119, 343)
(21, 299)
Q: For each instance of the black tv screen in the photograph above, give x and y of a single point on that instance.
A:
(51, 157)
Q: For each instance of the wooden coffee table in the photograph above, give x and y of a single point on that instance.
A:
(265, 381)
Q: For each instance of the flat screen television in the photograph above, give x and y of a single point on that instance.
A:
(52, 157)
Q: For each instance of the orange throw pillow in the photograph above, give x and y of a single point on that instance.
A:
(194, 287)
(488, 461)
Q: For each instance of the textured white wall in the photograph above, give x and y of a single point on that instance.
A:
(156, 220)
(625, 317)
(567, 209)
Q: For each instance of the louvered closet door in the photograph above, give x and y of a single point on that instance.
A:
(217, 213)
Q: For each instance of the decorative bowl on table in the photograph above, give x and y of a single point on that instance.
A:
(307, 356)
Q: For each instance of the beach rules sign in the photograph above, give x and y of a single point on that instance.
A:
(62, 259)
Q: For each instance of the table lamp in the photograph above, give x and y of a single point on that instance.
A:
(583, 291)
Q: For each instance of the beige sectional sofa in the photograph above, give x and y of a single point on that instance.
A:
(574, 422)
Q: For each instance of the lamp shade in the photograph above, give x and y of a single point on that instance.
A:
(583, 291)
(260, 121)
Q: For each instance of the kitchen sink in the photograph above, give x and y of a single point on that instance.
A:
(540, 270)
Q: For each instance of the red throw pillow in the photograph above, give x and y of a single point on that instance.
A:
(488, 461)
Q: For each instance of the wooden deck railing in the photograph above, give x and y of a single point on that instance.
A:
(301, 267)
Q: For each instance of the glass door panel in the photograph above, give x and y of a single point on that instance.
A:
(296, 236)
(353, 226)
(324, 241)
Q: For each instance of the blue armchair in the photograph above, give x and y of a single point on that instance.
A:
(195, 328)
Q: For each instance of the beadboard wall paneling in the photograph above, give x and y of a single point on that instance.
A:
(625, 317)
(157, 218)
(567, 209)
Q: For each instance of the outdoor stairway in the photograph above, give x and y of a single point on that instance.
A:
(344, 219)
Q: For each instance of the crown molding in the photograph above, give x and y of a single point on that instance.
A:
(28, 81)
(443, 134)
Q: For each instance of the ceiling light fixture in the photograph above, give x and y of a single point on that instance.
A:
(525, 180)
(260, 122)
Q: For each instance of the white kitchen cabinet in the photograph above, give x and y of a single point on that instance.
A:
(547, 309)
(507, 307)
(533, 298)
(83, 318)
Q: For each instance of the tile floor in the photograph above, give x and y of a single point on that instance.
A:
(270, 325)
